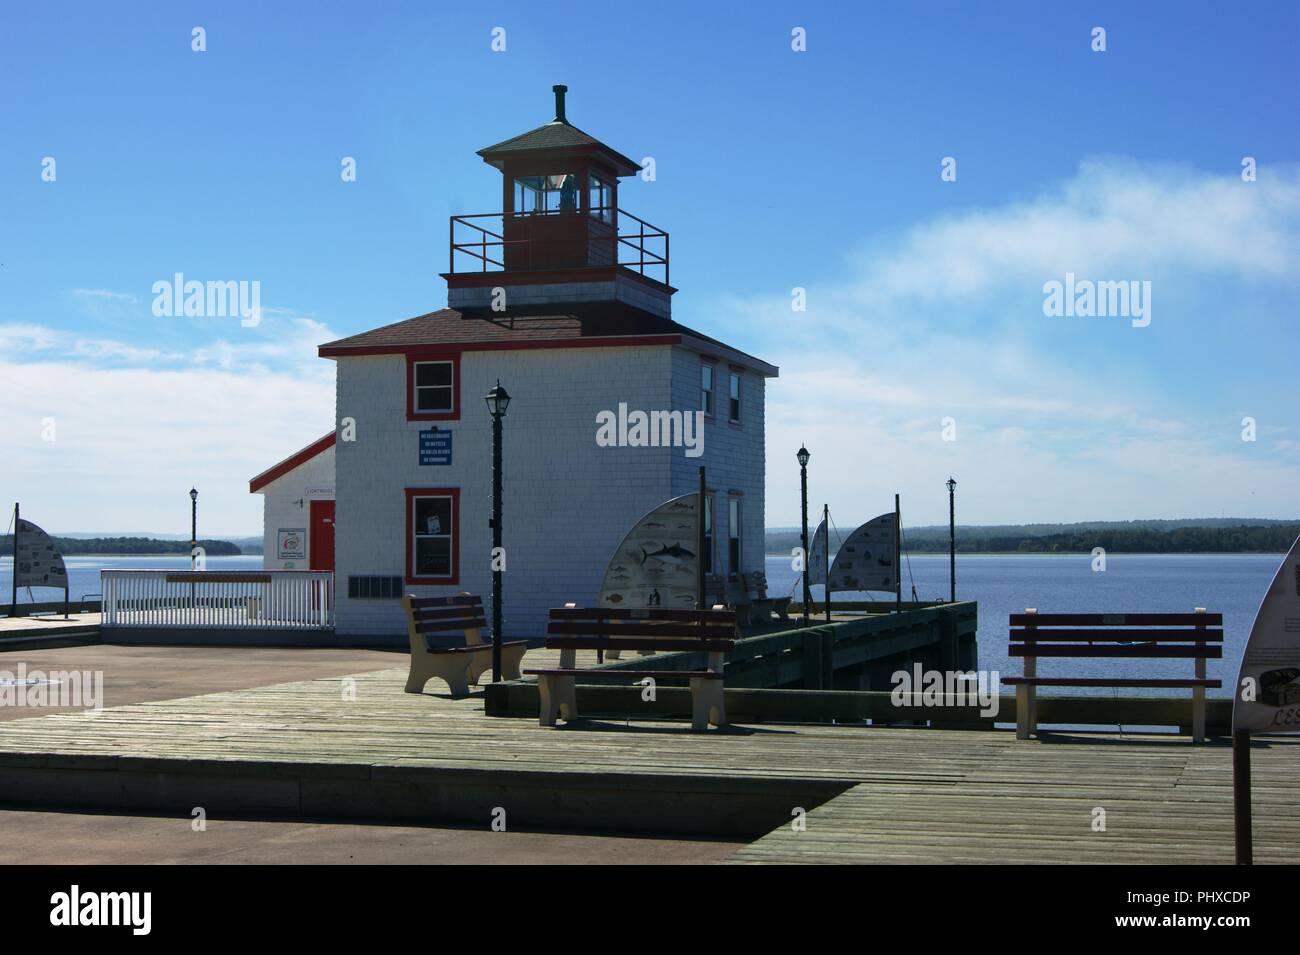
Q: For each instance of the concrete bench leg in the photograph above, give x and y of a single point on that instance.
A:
(511, 657)
(1198, 714)
(1023, 728)
(559, 698)
(707, 705)
(453, 669)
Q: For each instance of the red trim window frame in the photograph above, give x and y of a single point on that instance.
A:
(453, 495)
(413, 360)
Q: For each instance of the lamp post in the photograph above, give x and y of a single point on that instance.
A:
(194, 534)
(497, 401)
(803, 456)
(952, 543)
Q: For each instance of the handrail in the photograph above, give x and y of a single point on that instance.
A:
(490, 250)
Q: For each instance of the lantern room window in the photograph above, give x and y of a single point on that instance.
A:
(539, 195)
(600, 199)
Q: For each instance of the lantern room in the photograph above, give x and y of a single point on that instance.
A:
(561, 237)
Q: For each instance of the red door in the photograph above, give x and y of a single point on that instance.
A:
(321, 537)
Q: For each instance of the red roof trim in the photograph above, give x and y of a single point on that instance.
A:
(612, 341)
(289, 463)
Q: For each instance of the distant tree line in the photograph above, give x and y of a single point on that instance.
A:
(1241, 539)
(126, 546)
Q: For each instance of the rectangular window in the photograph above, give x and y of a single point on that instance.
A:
(735, 397)
(432, 388)
(432, 535)
(733, 532)
(600, 199)
(706, 389)
(540, 195)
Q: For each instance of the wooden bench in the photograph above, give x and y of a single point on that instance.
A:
(601, 629)
(459, 666)
(1196, 636)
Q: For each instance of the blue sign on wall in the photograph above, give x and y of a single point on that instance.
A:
(435, 447)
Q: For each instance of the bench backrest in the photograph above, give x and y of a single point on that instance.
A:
(1197, 636)
(651, 628)
(462, 613)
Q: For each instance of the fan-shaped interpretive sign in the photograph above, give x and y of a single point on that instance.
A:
(37, 562)
(817, 556)
(655, 565)
(1267, 698)
(868, 559)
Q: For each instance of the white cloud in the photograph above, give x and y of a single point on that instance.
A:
(944, 320)
(136, 426)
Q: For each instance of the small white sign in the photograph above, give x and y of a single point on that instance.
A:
(291, 543)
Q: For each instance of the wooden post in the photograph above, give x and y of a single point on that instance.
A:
(1198, 692)
(826, 522)
(699, 545)
(1241, 825)
(898, 557)
(13, 606)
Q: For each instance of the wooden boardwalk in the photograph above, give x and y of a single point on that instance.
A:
(359, 745)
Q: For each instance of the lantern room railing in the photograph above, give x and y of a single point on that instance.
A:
(540, 241)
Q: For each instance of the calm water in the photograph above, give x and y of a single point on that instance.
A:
(1231, 584)
(83, 573)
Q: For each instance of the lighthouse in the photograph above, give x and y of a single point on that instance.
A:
(563, 297)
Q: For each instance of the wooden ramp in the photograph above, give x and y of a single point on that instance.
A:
(358, 747)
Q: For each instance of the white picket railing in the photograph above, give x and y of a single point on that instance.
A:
(218, 600)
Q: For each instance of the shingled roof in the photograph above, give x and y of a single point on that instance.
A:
(606, 322)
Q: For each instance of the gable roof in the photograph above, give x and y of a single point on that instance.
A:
(610, 324)
(291, 462)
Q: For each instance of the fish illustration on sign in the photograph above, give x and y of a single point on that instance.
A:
(676, 554)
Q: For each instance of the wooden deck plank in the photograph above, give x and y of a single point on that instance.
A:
(912, 795)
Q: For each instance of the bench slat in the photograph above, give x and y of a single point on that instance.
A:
(571, 628)
(443, 626)
(1203, 652)
(624, 643)
(653, 674)
(474, 648)
(641, 613)
(441, 613)
(1117, 619)
(1022, 633)
(1121, 683)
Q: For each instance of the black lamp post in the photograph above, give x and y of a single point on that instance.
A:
(803, 456)
(497, 401)
(952, 543)
(194, 534)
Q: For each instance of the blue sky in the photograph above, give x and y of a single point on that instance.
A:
(775, 169)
